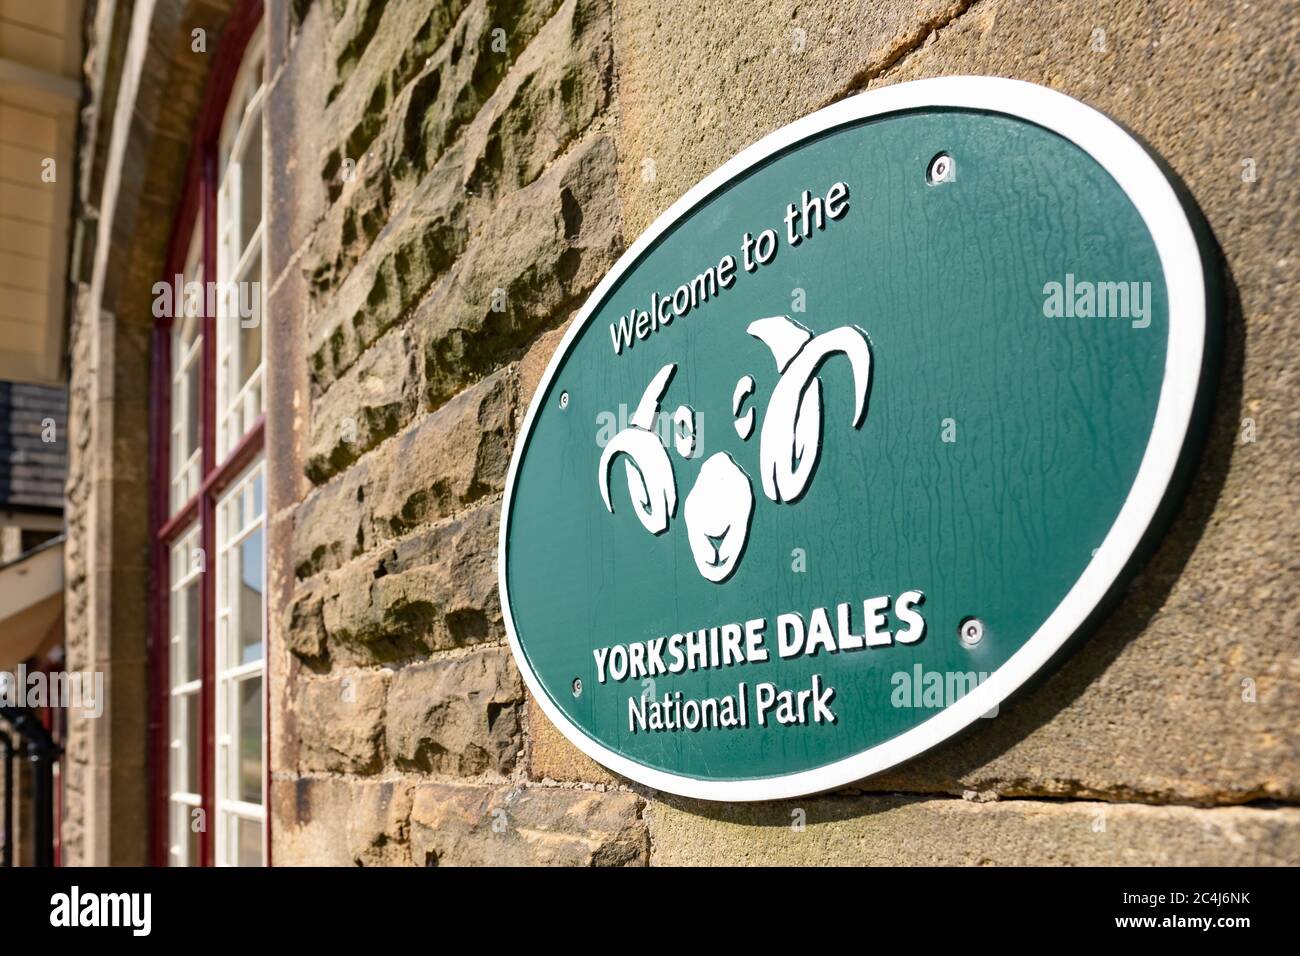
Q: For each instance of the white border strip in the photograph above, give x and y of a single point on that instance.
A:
(1149, 191)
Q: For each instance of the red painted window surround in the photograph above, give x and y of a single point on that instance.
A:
(199, 198)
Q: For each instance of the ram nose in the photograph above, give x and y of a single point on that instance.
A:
(718, 511)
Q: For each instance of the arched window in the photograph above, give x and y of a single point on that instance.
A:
(209, 556)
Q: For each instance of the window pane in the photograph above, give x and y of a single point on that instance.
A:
(178, 651)
(178, 435)
(186, 618)
(241, 769)
(186, 425)
(193, 622)
(195, 850)
(257, 494)
(240, 342)
(237, 517)
(185, 737)
(250, 598)
(250, 183)
(250, 842)
(194, 304)
(183, 838)
(249, 322)
(177, 779)
(250, 740)
(192, 742)
(193, 419)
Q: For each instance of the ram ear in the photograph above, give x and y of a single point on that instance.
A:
(648, 407)
(784, 336)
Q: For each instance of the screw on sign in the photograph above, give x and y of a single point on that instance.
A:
(941, 170)
(971, 631)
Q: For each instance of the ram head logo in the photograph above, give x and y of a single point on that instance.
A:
(720, 504)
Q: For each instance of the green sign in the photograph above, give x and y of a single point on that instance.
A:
(853, 439)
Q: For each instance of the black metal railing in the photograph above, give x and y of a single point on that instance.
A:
(7, 851)
(42, 751)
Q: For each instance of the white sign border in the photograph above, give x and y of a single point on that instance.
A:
(1147, 188)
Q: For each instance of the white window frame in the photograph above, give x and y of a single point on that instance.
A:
(185, 474)
(184, 571)
(238, 407)
(202, 481)
(229, 673)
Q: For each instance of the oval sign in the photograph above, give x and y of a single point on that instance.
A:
(852, 439)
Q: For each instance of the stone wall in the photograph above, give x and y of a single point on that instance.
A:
(454, 195)
(450, 181)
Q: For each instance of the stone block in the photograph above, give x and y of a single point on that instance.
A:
(371, 402)
(552, 757)
(457, 715)
(906, 831)
(340, 722)
(544, 250)
(328, 821)
(513, 826)
(449, 459)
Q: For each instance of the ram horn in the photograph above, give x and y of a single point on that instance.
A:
(790, 440)
(650, 479)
